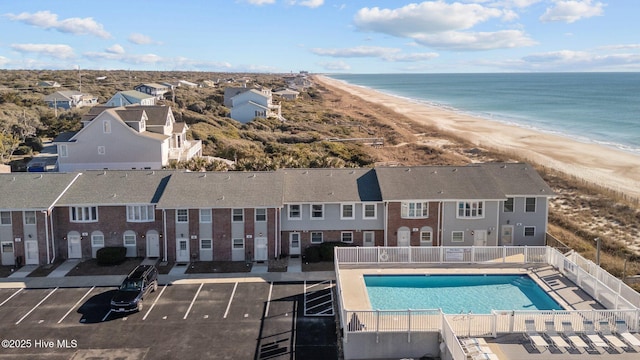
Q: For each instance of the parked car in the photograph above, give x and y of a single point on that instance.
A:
(138, 284)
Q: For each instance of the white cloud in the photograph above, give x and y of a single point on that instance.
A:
(569, 60)
(621, 47)
(386, 54)
(115, 49)
(335, 66)
(140, 39)
(572, 10)
(442, 25)
(48, 20)
(260, 2)
(308, 3)
(457, 40)
(4, 61)
(58, 51)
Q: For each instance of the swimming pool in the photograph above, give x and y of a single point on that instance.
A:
(456, 294)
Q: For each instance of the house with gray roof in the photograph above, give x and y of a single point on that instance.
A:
(247, 104)
(131, 97)
(223, 215)
(68, 99)
(132, 137)
(26, 225)
(111, 208)
(154, 89)
(328, 205)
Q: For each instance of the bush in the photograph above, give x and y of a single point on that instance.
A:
(111, 255)
(326, 249)
(312, 254)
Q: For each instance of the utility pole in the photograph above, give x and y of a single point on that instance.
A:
(598, 245)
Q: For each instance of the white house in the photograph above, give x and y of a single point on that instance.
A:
(67, 99)
(254, 103)
(134, 137)
(157, 90)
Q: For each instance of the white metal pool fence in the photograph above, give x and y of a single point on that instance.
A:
(620, 299)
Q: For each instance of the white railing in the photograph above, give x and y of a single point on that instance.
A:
(451, 340)
(602, 287)
(442, 254)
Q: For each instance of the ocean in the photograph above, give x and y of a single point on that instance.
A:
(601, 108)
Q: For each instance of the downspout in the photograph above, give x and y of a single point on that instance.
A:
(439, 232)
(53, 238)
(46, 235)
(164, 227)
(277, 234)
(386, 222)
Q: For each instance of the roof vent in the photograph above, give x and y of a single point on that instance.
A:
(114, 195)
(204, 175)
(104, 172)
(14, 179)
(253, 175)
(441, 192)
(455, 169)
(40, 177)
(408, 169)
(305, 172)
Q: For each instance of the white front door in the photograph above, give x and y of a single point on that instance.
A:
(507, 235)
(8, 256)
(237, 249)
(73, 246)
(31, 252)
(182, 250)
(206, 250)
(153, 245)
(404, 237)
(480, 238)
(294, 244)
(260, 246)
(368, 238)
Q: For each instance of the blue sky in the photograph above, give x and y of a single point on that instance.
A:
(322, 36)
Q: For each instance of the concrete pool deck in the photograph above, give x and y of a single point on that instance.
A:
(561, 289)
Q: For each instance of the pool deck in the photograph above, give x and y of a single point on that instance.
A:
(507, 346)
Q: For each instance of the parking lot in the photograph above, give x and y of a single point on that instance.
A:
(221, 319)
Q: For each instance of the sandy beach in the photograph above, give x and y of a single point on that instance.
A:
(608, 167)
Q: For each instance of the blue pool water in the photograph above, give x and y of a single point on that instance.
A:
(456, 294)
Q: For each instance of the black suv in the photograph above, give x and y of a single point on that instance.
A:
(140, 282)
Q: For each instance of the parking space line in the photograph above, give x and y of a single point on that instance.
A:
(106, 316)
(38, 304)
(266, 311)
(154, 302)
(192, 301)
(76, 304)
(12, 295)
(230, 299)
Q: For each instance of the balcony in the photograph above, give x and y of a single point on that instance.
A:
(189, 149)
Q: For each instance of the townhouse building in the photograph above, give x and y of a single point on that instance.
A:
(256, 216)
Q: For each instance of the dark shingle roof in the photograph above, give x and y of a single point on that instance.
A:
(32, 190)
(518, 179)
(117, 187)
(222, 190)
(330, 185)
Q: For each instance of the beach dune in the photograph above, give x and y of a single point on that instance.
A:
(607, 167)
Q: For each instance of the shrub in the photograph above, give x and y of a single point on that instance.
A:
(326, 249)
(111, 255)
(312, 254)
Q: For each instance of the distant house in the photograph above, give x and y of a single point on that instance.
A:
(133, 137)
(48, 84)
(157, 90)
(208, 83)
(188, 84)
(287, 94)
(230, 92)
(131, 97)
(252, 104)
(68, 99)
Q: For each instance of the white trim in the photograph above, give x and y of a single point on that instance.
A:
(255, 215)
(24, 217)
(311, 212)
(343, 233)
(524, 231)
(10, 218)
(364, 211)
(148, 215)
(535, 204)
(457, 232)
(83, 214)
(178, 216)
(233, 215)
(289, 217)
(321, 237)
(353, 211)
(475, 206)
(210, 216)
(405, 209)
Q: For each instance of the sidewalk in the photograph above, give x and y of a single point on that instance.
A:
(177, 275)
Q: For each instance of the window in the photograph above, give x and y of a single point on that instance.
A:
(530, 205)
(205, 215)
(426, 238)
(62, 150)
(508, 205)
(101, 150)
(140, 213)
(414, 210)
(129, 239)
(182, 215)
(29, 217)
(457, 236)
(5, 218)
(97, 240)
(346, 212)
(346, 236)
(370, 211)
(471, 209)
(529, 231)
(238, 215)
(238, 244)
(206, 244)
(316, 237)
(294, 212)
(317, 211)
(106, 126)
(84, 214)
(261, 215)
